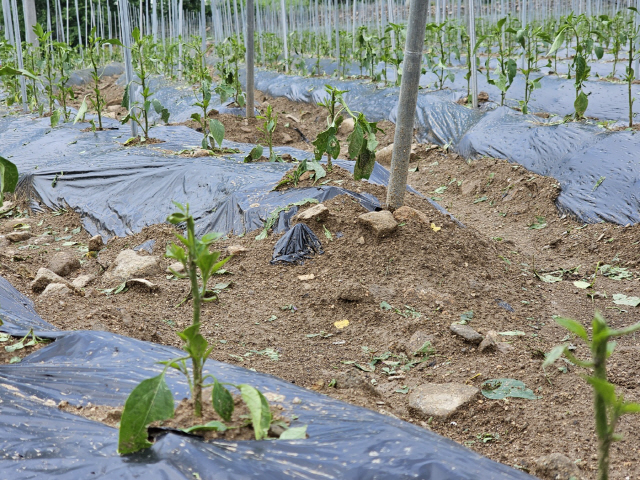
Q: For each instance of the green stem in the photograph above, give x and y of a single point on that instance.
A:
(195, 292)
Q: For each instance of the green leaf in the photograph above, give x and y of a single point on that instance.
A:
(222, 401)
(6, 70)
(217, 131)
(582, 284)
(555, 353)
(356, 141)
(55, 118)
(573, 326)
(628, 408)
(258, 408)
(212, 425)
(364, 165)
(622, 299)
(599, 52)
(466, 317)
(557, 43)
(294, 433)
(81, 111)
(254, 154)
(149, 402)
(8, 177)
(499, 388)
(581, 104)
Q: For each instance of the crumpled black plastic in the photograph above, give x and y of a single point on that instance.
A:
(296, 245)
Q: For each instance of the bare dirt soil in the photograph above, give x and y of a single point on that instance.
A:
(395, 292)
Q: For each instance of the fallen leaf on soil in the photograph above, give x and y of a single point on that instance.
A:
(499, 388)
(622, 299)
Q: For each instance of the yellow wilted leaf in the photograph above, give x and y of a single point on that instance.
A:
(434, 228)
(340, 324)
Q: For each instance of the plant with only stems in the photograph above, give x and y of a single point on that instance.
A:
(62, 53)
(93, 50)
(633, 32)
(152, 400)
(439, 30)
(203, 78)
(528, 38)
(608, 406)
(46, 49)
(139, 112)
(268, 128)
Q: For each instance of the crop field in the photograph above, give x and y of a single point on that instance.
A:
(319, 239)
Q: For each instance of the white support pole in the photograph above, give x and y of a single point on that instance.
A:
(472, 39)
(283, 15)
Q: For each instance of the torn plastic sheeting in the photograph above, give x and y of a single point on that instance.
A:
(102, 368)
(297, 245)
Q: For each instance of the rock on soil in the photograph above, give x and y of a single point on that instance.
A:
(236, 249)
(381, 223)
(55, 290)
(129, 264)
(440, 399)
(82, 281)
(43, 278)
(466, 332)
(317, 211)
(63, 263)
(353, 292)
(405, 213)
(556, 466)
(489, 343)
(95, 243)
(417, 340)
(18, 236)
(177, 267)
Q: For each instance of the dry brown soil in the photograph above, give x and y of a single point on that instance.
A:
(275, 322)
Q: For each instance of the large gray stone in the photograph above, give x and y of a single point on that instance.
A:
(56, 290)
(129, 264)
(556, 466)
(83, 280)
(63, 263)
(18, 236)
(43, 278)
(440, 399)
(381, 223)
(466, 332)
(317, 211)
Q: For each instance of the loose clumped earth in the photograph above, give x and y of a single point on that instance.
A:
(382, 316)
